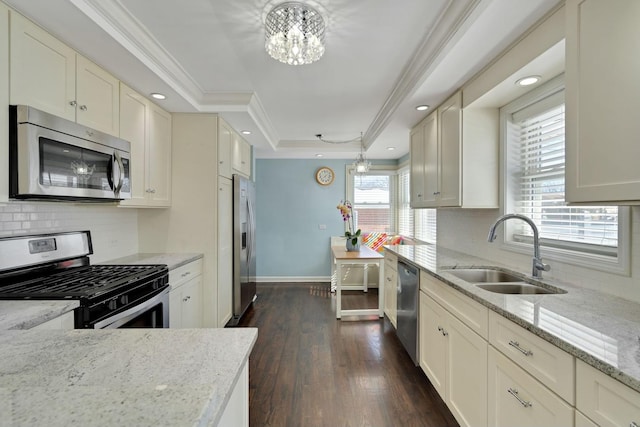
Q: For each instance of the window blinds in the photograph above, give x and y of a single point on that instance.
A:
(372, 203)
(405, 213)
(540, 158)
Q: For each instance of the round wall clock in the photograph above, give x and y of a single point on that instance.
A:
(325, 175)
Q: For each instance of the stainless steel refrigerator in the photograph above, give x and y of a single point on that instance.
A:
(244, 246)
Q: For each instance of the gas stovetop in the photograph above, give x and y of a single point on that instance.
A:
(86, 282)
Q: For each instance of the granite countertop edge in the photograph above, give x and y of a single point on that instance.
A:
(469, 261)
(173, 260)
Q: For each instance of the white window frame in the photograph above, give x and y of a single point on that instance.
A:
(391, 171)
(620, 265)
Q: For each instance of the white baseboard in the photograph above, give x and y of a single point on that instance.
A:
(292, 279)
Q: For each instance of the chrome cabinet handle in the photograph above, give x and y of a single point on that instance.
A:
(83, 107)
(72, 103)
(187, 298)
(516, 345)
(435, 193)
(185, 274)
(442, 331)
(513, 392)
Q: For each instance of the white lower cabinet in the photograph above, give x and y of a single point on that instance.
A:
(517, 397)
(454, 358)
(236, 414)
(64, 321)
(391, 287)
(604, 400)
(185, 297)
(583, 421)
(225, 250)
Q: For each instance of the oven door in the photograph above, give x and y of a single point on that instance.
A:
(150, 313)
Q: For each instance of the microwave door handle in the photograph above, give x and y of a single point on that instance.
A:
(110, 173)
(121, 167)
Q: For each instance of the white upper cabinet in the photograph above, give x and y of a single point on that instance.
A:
(454, 157)
(241, 155)
(602, 101)
(225, 144)
(48, 75)
(148, 128)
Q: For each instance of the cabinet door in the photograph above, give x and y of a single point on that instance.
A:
(42, 69)
(225, 143)
(431, 161)
(416, 170)
(391, 291)
(159, 156)
(4, 100)
(225, 251)
(606, 401)
(602, 101)
(433, 342)
(98, 97)
(133, 113)
(466, 374)
(241, 155)
(514, 395)
(450, 125)
(175, 308)
(191, 294)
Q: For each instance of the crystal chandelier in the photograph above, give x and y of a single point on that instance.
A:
(294, 33)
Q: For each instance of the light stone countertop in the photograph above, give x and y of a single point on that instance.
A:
(116, 377)
(26, 314)
(172, 260)
(600, 329)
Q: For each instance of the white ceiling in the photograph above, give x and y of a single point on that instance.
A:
(382, 59)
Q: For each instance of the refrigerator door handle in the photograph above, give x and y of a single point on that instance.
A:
(250, 229)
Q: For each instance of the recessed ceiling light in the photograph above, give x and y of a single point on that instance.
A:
(158, 96)
(246, 132)
(422, 107)
(528, 81)
(319, 155)
(391, 148)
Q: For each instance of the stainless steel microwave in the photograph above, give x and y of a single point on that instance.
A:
(54, 158)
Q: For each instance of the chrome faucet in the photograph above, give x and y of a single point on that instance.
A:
(538, 265)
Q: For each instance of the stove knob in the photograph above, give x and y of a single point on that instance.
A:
(124, 299)
(113, 304)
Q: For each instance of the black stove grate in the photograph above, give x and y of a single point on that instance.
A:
(82, 282)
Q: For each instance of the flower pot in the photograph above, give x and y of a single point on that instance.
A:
(351, 247)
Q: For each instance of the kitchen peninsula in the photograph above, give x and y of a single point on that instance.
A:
(125, 377)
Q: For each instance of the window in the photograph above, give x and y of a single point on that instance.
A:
(372, 202)
(533, 134)
(416, 223)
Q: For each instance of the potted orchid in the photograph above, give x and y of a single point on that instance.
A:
(353, 238)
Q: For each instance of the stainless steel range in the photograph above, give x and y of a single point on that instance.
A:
(57, 267)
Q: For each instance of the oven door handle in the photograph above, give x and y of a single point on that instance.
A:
(121, 318)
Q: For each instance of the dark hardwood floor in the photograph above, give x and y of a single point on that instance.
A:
(310, 369)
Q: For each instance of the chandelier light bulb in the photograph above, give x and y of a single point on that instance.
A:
(294, 33)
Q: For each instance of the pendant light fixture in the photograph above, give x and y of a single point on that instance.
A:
(294, 33)
(361, 164)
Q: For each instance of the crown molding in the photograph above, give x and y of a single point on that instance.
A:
(454, 16)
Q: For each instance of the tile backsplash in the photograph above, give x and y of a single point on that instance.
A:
(114, 230)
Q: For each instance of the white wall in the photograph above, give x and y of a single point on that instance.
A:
(466, 231)
(114, 230)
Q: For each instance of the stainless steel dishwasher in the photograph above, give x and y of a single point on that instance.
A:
(407, 320)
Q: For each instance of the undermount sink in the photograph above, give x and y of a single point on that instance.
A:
(514, 288)
(502, 282)
(484, 275)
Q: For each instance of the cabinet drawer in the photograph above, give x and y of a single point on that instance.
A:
(470, 312)
(391, 258)
(606, 401)
(516, 398)
(180, 275)
(552, 366)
